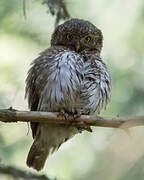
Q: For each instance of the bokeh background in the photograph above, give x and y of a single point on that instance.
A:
(106, 153)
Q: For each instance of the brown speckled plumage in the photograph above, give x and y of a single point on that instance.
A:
(69, 76)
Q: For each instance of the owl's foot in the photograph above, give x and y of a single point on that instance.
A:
(68, 117)
(75, 116)
(63, 115)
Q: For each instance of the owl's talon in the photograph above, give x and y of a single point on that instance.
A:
(62, 114)
(67, 117)
(76, 116)
(72, 117)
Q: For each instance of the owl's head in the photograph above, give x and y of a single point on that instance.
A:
(78, 35)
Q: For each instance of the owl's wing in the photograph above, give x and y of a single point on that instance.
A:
(36, 80)
(97, 85)
(53, 82)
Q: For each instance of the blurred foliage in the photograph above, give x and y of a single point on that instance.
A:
(106, 153)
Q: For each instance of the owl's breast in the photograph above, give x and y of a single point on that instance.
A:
(63, 84)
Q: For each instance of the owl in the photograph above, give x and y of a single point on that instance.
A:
(68, 77)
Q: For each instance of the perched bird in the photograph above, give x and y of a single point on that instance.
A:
(69, 77)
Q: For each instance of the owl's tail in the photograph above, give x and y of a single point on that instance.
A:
(47, 140)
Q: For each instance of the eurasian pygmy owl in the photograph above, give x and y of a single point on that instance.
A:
(69, 76)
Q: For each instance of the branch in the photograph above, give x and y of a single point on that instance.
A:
(18, 173)
(84, 121)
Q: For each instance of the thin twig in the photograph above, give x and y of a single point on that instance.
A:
(11, 115)
(58, 8)
(66, 13)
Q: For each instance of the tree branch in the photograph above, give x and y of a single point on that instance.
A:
(18, 173)
(84, 121)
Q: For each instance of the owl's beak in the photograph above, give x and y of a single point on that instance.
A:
(77, 47)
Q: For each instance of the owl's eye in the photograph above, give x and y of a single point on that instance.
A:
(69, 36)
(88, 38)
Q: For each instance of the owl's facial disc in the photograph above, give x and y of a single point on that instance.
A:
(78, 35)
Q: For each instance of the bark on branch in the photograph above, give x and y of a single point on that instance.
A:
(84, 121)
